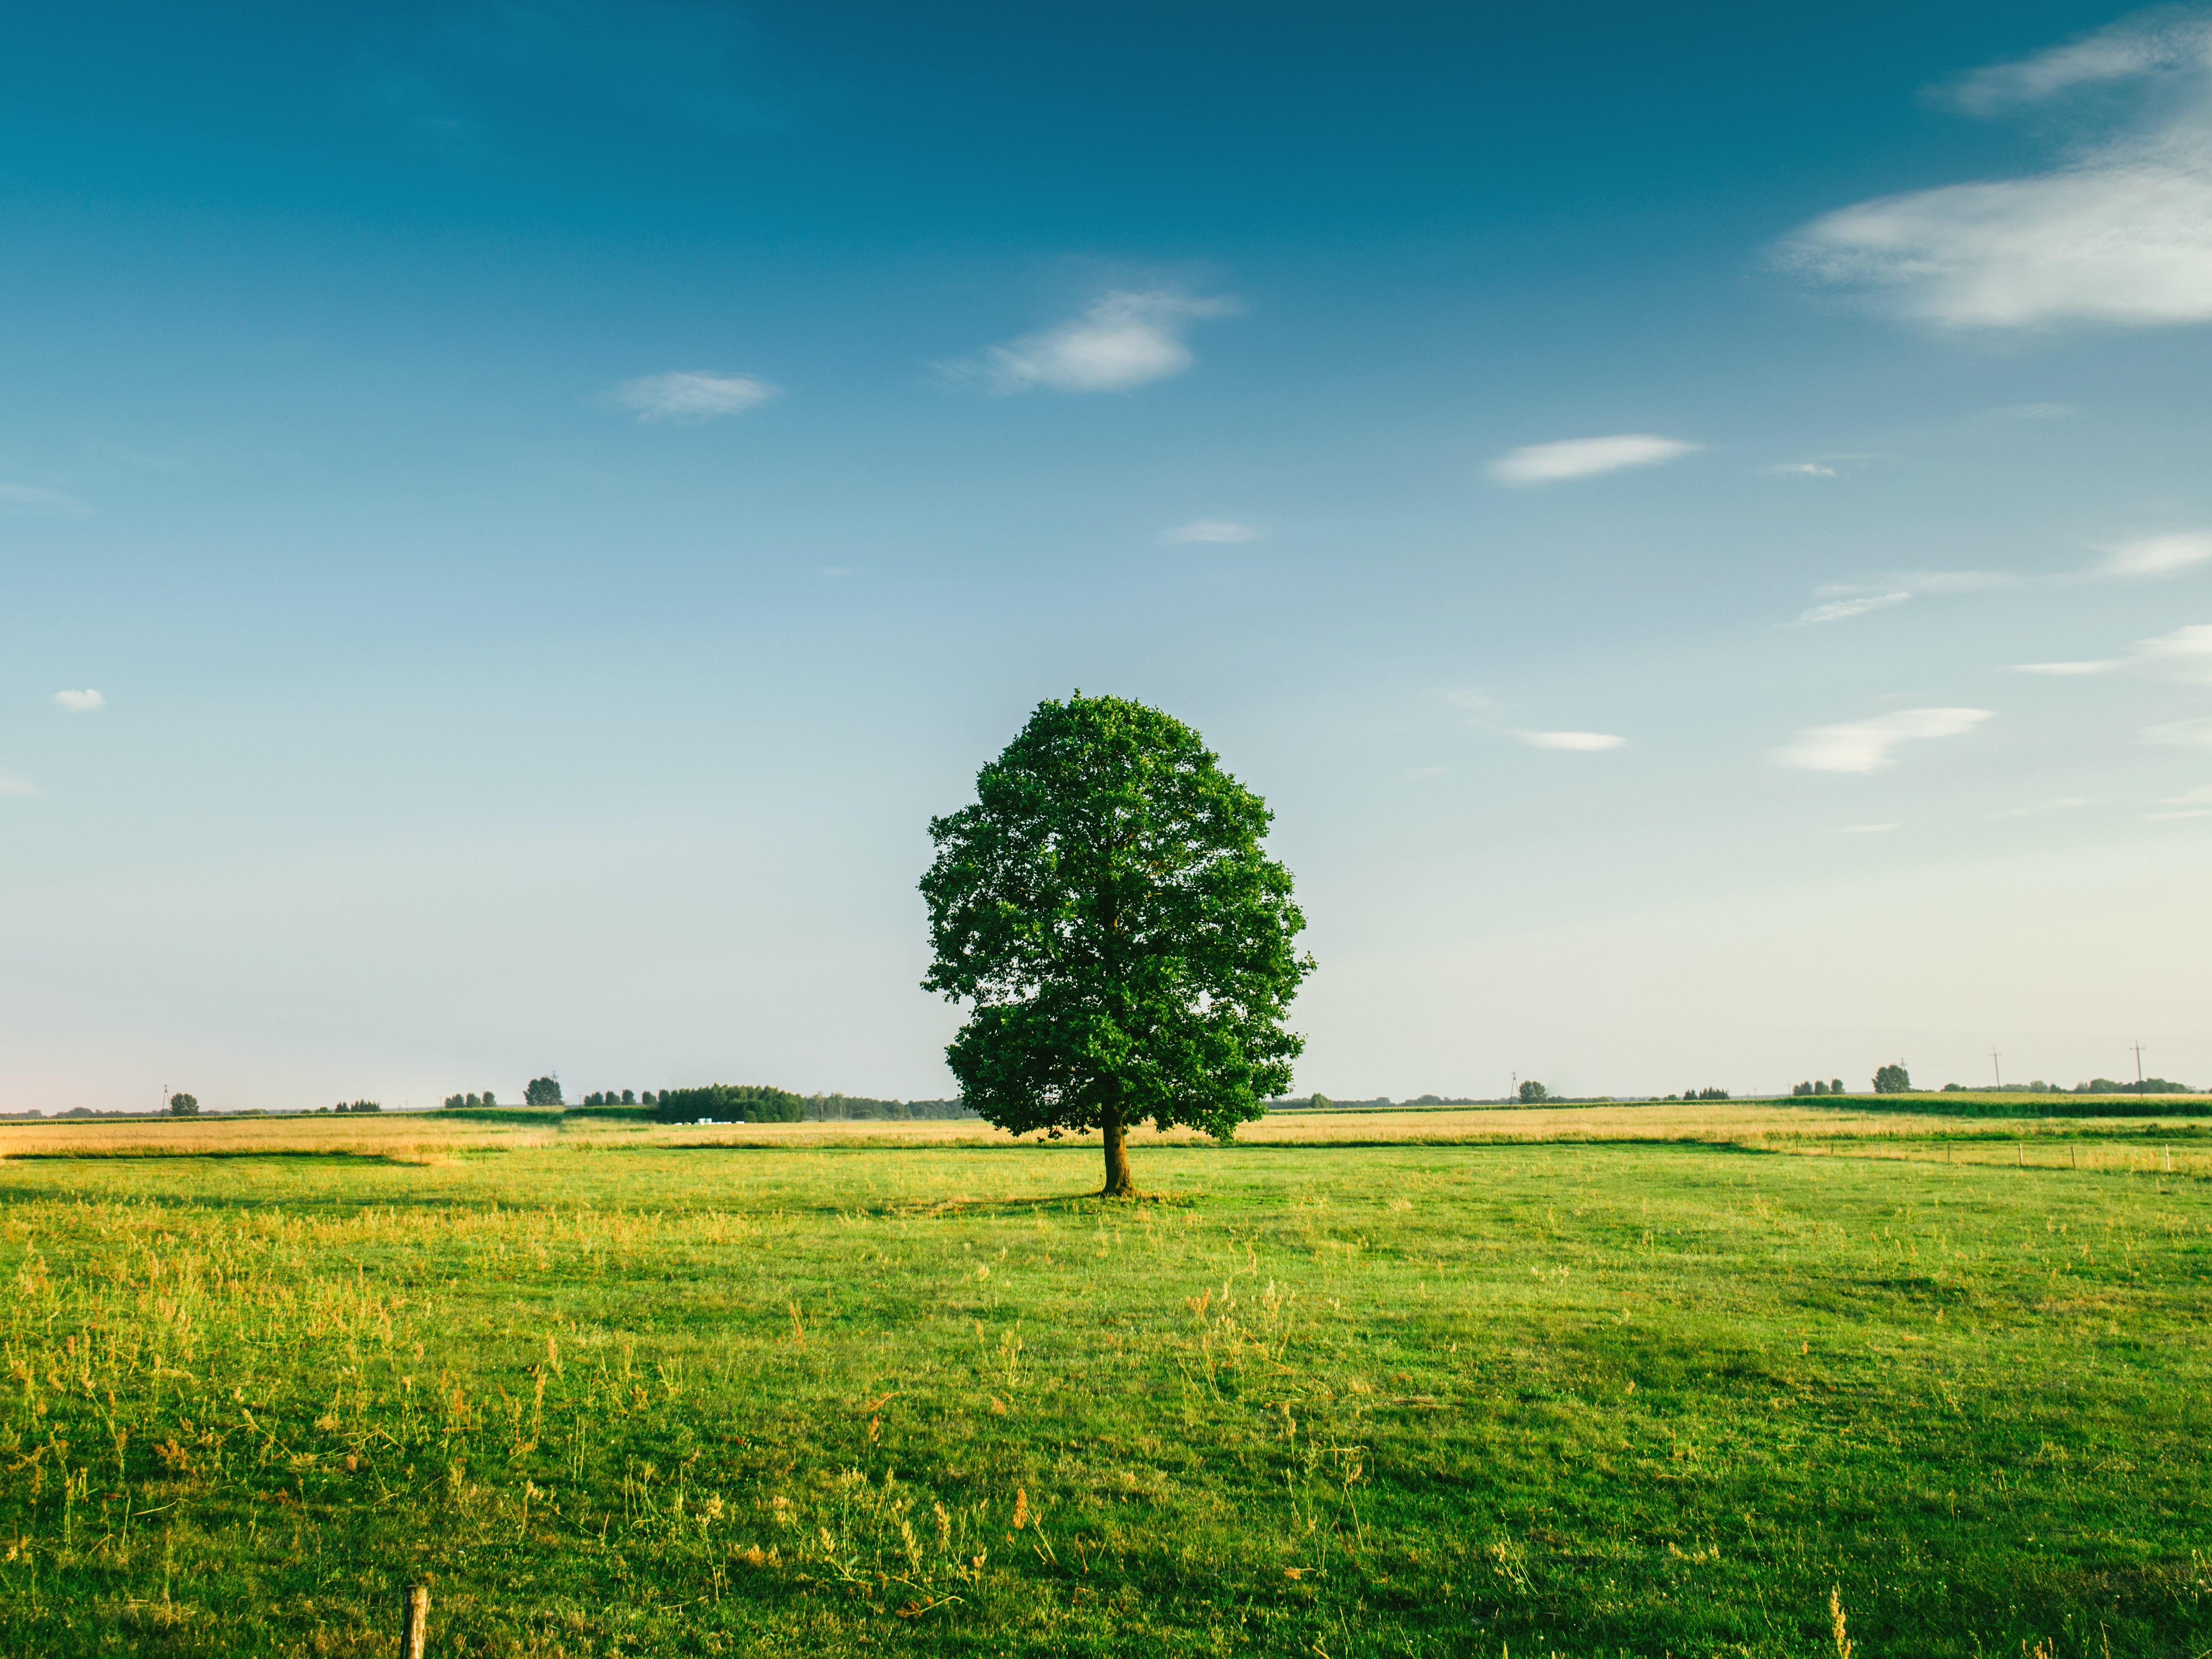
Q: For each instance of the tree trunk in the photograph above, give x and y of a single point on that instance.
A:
(1119, 1183)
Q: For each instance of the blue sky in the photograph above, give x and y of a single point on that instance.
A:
(514, 515)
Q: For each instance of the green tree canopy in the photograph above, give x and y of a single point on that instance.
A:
(1891, 1079)
(542, 1091)
(1126, 944)
(185, 1105)
(730, 1102)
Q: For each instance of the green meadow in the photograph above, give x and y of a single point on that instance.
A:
(1558, 1397)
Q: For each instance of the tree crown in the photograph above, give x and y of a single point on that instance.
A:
(1127, 945)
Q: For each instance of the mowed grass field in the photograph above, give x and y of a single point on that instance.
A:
(643, 1394)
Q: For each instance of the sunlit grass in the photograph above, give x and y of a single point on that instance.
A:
(615, 1396)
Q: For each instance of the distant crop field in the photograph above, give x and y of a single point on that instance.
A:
(1601, 1381)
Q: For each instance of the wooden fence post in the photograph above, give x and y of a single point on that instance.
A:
(415, 1632)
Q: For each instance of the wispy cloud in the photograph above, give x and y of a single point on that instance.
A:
(2189, 804)
(2144, 558)
(2180, 734)
(2164, 38)
(2184, 654)
(1123, 340)
(1865, 745)
(30, 498)
(2034, 412)
(2041, 807)
(1866, 828)
(1585, 458)
(13, 786)
(685, 396)
(2123, 233)
(79, 702)
(1577, 742)
(1858, 605)
(1468, 696)
(2156, 555)
(1800, 470)
(1211, 530)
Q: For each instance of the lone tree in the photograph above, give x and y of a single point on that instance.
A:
(184, 1105)
(1106, 907)
(1891, 1079)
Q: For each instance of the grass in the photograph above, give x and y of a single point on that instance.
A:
(1736, 1388)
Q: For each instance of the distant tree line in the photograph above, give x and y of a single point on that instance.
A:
(487, 1099)
(1700, 1094)
(352, 1106)
(751, 1103)
(1380, 1103)
(2101, 1085)
(1833, 1086)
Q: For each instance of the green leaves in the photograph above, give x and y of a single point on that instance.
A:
(1127, 945)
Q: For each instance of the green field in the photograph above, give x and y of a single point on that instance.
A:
(1539, 1398)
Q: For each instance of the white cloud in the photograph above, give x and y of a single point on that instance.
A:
(2133, 46)
(693, 394)
(2183, 734)
(2149, 556)
(2192, 804)
(2186, 651)
(32, 498)
(16, 786)
(1126, 339)
(79, 702)
(1579, 742)
(1837, 610)
(2184, 654)
(1864, 745)
(1469, 696)
(2155, 555)
(2041, 807)
(2123, 233)
(1211, 530)
(1585, 458)
(1801, 470)
(1866, 828)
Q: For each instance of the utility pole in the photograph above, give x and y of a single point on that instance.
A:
(1513, 1089)
(1994, 1069)
(2139, 1075)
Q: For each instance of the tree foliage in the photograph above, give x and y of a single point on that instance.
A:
(1532, 1091)
(184, 1105)
(1891, 1079)
(1126, 944)
(542, 1091)
(730, 1102)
